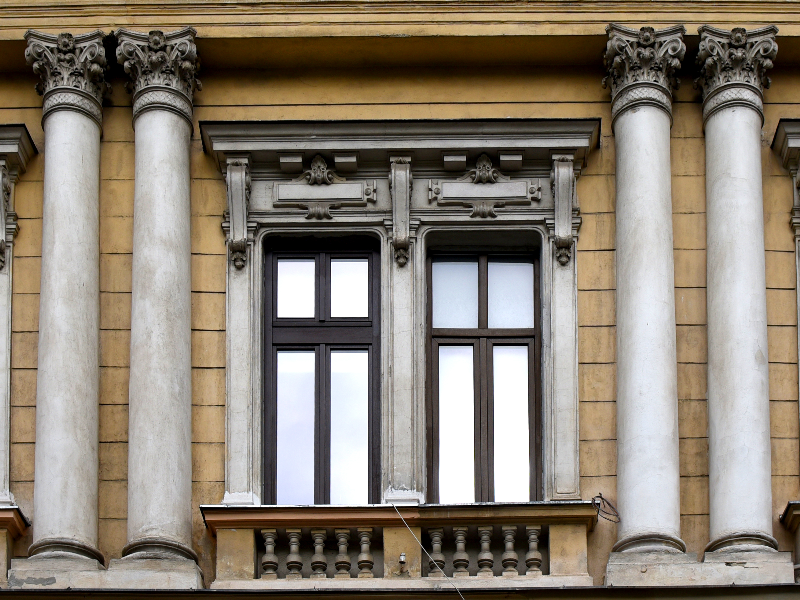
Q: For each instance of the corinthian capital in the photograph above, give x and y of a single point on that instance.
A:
(163, 68)
(72, 69)
(641, 66)
(733, 66)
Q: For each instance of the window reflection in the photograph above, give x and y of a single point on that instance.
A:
(296, 288)
(511, 450)
(456, 425)
(349, 287)
(295, 458)
(349, 427)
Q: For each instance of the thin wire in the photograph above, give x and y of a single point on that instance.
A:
(605, 509)
(433, 562)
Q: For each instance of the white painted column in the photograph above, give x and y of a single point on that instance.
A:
(740, 491)
(648, 464)
(160, 422)
(66, 466)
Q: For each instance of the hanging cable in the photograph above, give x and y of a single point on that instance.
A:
(426, 552)
(605, 509)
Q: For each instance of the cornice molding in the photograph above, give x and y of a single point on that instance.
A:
(72, 71)
(733, 67)
(163, 68)
(641, 66)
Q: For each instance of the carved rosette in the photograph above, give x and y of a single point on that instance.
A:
(72, 69)
(163, 68)
(733, 67)
(641, 66)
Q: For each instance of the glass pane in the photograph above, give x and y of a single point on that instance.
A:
(455, 294)
(349, 287)
(295, 476)
(511, 436)
(456, 425)
(349, 427)
(510, 294)
(296, 288)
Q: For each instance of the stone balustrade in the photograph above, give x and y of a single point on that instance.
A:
(478, 546)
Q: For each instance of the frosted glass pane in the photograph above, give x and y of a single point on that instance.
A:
(295, 476)
(511, 436)
(349, 287)
(456, 425)
(510, 295)
(349, 427)
(296, 288)
(455, 294)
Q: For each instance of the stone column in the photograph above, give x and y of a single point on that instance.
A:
(66, 468)
(162, 67)
(641, 72)
(733, 67)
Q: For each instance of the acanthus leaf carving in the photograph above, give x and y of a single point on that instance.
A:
(164, 63)
(641, 66)
(72, 70)
(733, 66)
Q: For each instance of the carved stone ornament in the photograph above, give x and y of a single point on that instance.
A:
(239, 185)
(733, 67)
(400, 185)
(163, 67)
(72, 69)
(484, 189)
(641, 66)
(319, 189)
(562, 179)
(5, 187)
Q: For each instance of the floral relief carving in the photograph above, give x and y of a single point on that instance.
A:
(319, 173)
(69, 64)
(735, 57)
(641, 65)
(168, 62)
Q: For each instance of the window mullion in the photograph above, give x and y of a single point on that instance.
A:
(481, 445)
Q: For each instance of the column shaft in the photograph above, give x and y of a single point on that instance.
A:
(66, 465)
(648, 473)
(159, 443)
(733, 75)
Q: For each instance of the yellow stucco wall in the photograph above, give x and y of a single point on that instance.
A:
(313, 91)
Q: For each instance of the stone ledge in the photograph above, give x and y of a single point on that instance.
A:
(84, 573)
(466, 584)
(634, 569)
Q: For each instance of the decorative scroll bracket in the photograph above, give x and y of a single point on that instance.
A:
(318, 190)
(563, 181)
(400, 183)
(484, 189)
(238, 180)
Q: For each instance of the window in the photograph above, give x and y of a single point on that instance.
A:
(484, 434)
(322, 372)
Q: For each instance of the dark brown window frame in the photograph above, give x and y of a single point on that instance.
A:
(322, 333)
(483, 339)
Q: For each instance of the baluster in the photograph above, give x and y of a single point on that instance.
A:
(294, 562)
(533, 559)
(485, 557)
(436, 564)
(365, 561)
(270, 562)
(510, 557)
(342, 563)
(319, 564)
(460, 556)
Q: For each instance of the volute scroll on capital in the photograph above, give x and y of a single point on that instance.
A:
(733, 67)
(163, 68)
(72, 71)
(642, 65)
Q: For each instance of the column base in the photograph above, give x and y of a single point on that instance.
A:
(64, 548)
(639, 569)
(743, 541)
(158, 548)
(650, 542)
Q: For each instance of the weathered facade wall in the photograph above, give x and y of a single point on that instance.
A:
(455, 92)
